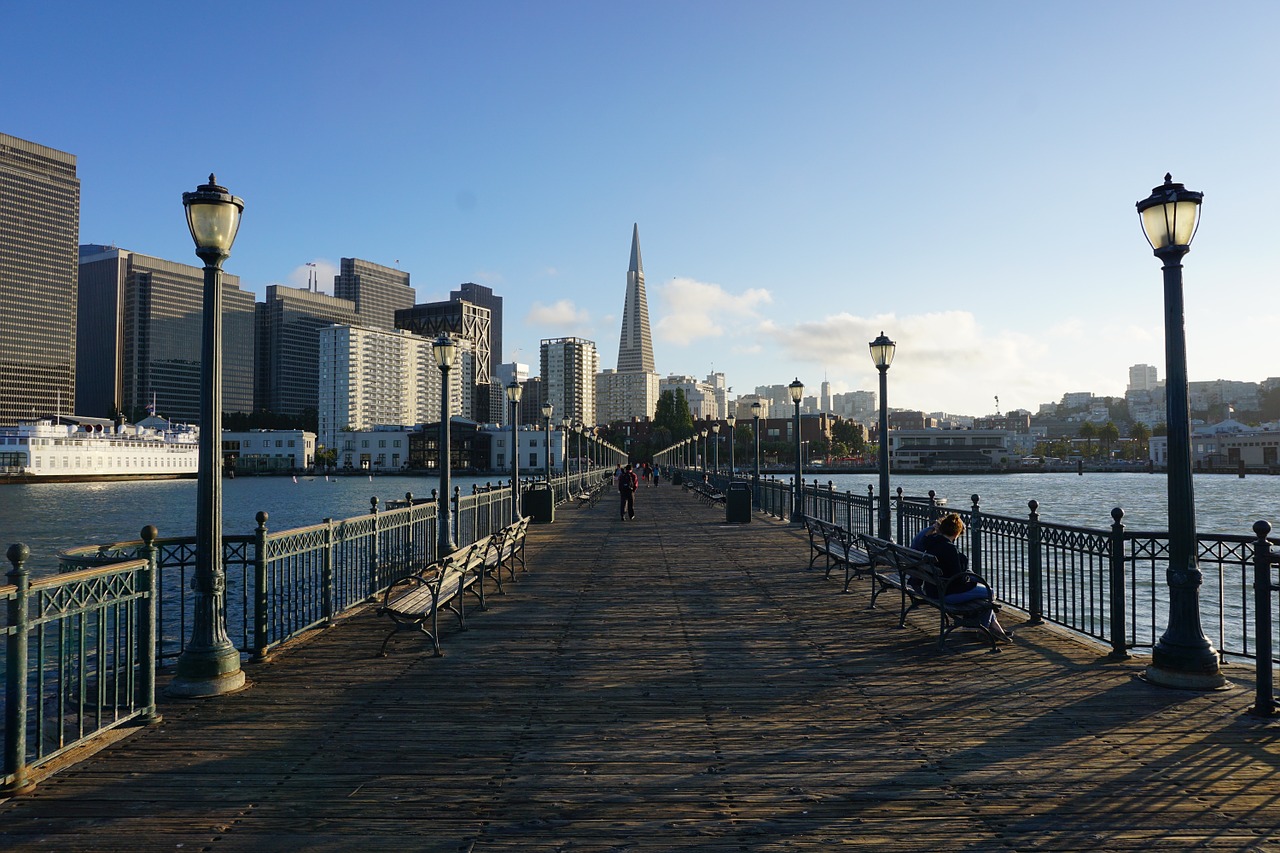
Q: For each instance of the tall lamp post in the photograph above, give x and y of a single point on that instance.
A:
(445, 350)
(706, 449)
(755, 429)
(547, 410)
(514, 391)
(882, 350)
(1183, 657)
(715, 436)
(210, 664)
(796, 390)
(731, 421)
(565, 423)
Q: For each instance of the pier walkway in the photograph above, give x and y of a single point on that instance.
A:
(668, 684)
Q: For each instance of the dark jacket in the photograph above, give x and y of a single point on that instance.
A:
(950, 560)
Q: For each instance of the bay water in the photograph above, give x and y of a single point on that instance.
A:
(49, 517)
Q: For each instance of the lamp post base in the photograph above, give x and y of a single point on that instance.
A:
(208, 673)
(1185, 668)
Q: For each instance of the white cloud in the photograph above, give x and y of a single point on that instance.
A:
(692, 310)
(562, 315)
(321, 270)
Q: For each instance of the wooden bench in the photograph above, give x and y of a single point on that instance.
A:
(837, 548)
(911, 572)
(706, 493)
(416, 601)
(590, 493)
(505, 548)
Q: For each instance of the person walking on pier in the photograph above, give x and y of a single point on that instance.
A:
(627, 490)
(942, 545)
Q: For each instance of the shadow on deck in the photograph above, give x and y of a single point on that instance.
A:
(676, 683)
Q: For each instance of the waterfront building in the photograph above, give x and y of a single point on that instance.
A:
(569, 368)
(382, 449)
(39, 231)
(376, 291)
(951, 449)
(268, 451)
(288, 344)
(140, 336)
(533, 448)
(368, 377)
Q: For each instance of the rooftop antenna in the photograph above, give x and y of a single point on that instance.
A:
(997, 405)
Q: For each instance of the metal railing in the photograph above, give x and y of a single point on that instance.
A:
(79, 659)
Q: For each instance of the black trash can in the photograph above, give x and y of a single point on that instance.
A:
(737, 503)
(676, 477)
(540, 503)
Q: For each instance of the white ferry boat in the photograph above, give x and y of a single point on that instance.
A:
(73, 449)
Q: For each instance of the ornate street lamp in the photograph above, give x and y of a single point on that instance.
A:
(514, 391)
(796, 390)
(706, 449)
(731, 420)
(547, 410)
(445, 350)
(882, 350)
(1183, 657)
(755, 428)
(210, 663)
(715, 436)
(565, 423)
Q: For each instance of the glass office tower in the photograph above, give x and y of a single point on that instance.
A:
(39, 234)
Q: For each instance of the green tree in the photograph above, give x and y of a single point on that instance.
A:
(849, 434)
(1108, 434)
(1140, 433)
(1088, 432)
(672, 414)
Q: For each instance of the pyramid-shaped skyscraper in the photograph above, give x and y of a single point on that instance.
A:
(635, 350)
(632, 390)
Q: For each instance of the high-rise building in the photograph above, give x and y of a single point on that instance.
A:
(623, 396)
(1142, 377)
(141, 333)
(372, 378)
(39, 232)
(569, 367)
(377, 291)
(478, 294)
(635, 350)
(701, 396)
(465, 321)
(288, 326)
(632, 390)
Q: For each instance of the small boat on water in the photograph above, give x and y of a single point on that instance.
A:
(77, 449)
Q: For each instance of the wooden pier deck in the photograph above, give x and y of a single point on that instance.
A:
(676, 684)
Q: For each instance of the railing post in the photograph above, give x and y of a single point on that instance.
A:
(831, 502)
(260, 587)
(326, 567)
(871, 511)
(15, 678)
(1264, 703)
(1035, 566)
(375, 561)
(1119, 624)
(456, 517)
(148, 610)
(902, 528)
(975, 540)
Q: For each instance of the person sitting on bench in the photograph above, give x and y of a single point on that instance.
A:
(941, 544)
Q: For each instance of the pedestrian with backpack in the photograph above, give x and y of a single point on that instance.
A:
(627, 483)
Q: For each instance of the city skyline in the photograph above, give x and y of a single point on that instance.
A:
(778, 175)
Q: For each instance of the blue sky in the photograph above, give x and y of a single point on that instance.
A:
(959, 175)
